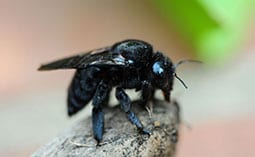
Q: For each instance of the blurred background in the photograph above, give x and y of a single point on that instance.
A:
(217, 109)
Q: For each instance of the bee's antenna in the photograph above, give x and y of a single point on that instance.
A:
(183, 83)
(186, 61)
(181, 62)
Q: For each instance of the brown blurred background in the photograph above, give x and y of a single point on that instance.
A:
(219, 104)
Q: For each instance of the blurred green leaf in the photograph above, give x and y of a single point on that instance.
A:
(214, 27)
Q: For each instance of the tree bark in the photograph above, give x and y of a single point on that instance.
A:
(121, 138)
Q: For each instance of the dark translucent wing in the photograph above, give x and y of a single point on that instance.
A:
(101, 57)
(66, 63)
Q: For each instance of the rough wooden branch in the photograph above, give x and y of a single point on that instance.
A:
(120, 138)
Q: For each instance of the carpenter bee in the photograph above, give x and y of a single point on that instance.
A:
(129, 64)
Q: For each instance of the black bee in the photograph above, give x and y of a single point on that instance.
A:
(129, 64)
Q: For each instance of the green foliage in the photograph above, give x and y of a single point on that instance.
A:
(214, 27)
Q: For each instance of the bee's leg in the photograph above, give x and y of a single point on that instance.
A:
(100, 97)
(147, 91)
(147, 96)
(125, 104)
(98, 123)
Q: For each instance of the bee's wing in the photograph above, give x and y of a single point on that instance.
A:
(100, 57)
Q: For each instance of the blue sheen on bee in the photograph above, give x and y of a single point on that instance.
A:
(157, 69)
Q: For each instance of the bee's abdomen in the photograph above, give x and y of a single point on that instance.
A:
(82, 89)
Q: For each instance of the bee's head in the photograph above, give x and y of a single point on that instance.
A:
(163, 72)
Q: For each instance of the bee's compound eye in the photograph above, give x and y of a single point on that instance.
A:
(157, 68)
